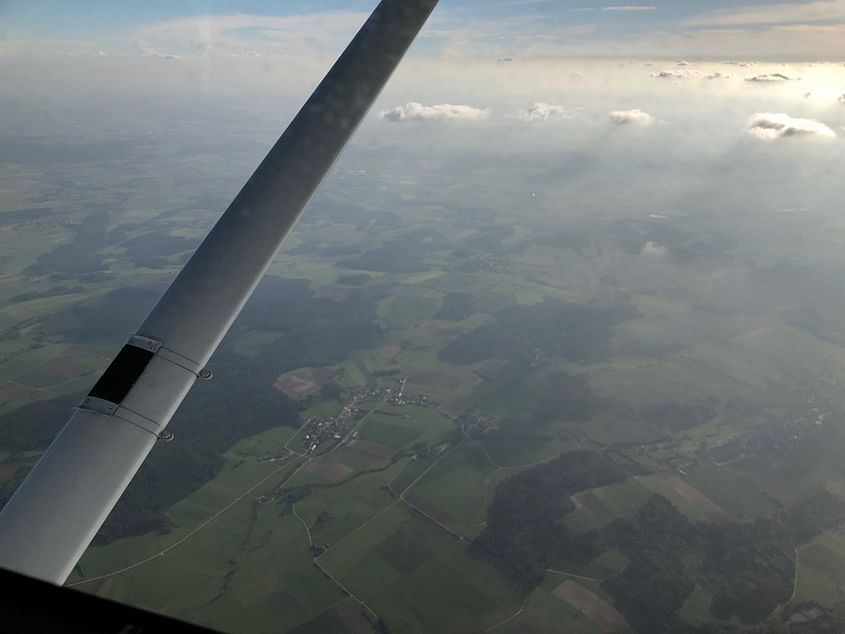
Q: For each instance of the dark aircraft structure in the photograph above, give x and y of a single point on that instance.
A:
(53, 516)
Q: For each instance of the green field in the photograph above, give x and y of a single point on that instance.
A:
(445, 591)
(465, 295)
(458, 488)
(601, 506)
(821, 570)
(548, 613)
(730, 491)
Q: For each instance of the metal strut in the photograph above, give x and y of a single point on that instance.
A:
(53, 516)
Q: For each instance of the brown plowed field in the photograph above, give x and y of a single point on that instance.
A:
(604, 615)
(329, 469)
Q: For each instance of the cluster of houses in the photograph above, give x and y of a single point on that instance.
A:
(320, 429)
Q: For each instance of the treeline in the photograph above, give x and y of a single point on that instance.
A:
(237, 403)
(554, 327)
(402, 255)
(456, 306)
(524, 534)
(814, 515)
(240, 401)
(747, 568)
(808, 617)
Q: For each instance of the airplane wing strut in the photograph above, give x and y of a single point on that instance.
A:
(55, 513)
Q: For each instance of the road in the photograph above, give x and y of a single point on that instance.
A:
(208, 521)
(570, 574)
(329, 575)
(398, 500)
(185, 538)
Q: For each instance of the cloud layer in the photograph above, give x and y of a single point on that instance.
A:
(769, 78)
(769, 125)
(541, 111)
(413, 111)
(670, 74)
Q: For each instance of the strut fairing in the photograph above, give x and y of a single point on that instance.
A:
(53, 516)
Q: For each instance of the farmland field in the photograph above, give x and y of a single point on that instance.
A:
(476, 390)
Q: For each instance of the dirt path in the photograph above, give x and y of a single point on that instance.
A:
(510, 618)
(570, 574)
(185, 538)
(330, 576)
(208, 521)
(398, 500)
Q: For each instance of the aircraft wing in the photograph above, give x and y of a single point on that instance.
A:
(55, 513)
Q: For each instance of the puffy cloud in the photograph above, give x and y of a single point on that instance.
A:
(670, 74)
(769, 125)
(540, 111)
(653, 249)
(718, 75)
(413, 111)
(769, 78)
(631, 117)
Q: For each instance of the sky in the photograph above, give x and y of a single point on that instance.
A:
(783, 31)
(713, 107)
(724, 105)
(677, 80)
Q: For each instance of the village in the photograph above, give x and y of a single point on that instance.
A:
(324, 429)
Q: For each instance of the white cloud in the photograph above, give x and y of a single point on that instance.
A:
(670, 74)
(413, 111)
(540, 111)
(718, 75)
(628, 117)
(769, 78)
(653, 249)
(769, 125)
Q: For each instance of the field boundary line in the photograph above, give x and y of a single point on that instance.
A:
(208, 521)
(190, 534)
(331, 577)
(511, 617)
(572, 574)
(388, 507)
